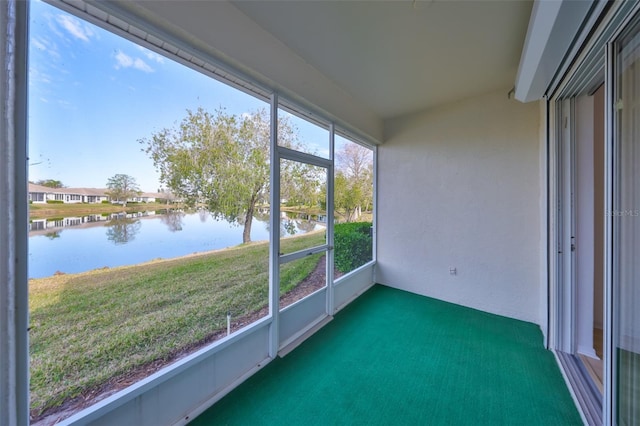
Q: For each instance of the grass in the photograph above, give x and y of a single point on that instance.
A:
(42, 211)
(89, 328)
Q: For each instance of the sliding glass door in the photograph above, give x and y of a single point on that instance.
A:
(626, 230)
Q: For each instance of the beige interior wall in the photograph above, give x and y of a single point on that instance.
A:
(459, 188)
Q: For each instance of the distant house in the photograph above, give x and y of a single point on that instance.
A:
(90, 195)
(37, 193)
(41, 194)
(148, 197)
(164, 196)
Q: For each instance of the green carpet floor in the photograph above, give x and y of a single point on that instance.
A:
(395, 358)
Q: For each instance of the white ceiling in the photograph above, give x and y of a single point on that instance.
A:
(399, 57)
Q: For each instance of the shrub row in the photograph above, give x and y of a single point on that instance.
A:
(353, 245)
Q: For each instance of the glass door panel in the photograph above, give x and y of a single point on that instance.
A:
(626, 232)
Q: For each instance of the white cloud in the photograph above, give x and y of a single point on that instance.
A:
(65, 104)
(141, 65)
(35, 75)
(38, 44)
(152, 56)
(51, 23)
(125, 61)
(75, 27)
(46, 46)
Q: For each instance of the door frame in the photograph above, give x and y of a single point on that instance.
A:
(595, 63)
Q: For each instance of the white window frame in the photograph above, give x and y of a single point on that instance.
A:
(14, 344)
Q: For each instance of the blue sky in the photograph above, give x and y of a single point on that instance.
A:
(93, 95)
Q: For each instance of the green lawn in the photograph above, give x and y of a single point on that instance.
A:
(42, 211)
(91, 327)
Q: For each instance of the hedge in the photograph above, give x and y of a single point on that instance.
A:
(353, 245)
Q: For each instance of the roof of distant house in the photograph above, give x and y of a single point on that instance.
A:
(40, 188)
(87, 191)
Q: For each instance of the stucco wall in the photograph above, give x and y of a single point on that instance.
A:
(459, 187)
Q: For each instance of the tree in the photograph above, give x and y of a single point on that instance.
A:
(302, 185)
(348, 196)
(354, 180)
(50, 183)
(121, 188)
(165, 196)
(219, 159)
(354, 160)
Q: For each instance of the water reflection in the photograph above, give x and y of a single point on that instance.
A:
(173, 220)
(52, 226)
(123, 230)
(52, 235)
(292, 223)
(77, 244)
(306, 225)
(288, 227)
(203, 214)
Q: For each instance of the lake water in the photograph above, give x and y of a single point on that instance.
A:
(79, 244)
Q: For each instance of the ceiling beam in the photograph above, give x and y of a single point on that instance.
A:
(553, 28)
